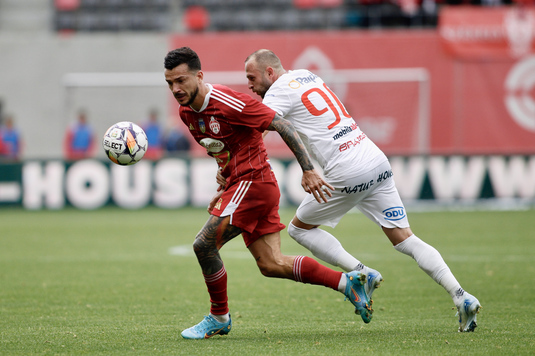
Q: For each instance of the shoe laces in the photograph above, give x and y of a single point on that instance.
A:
(208, 321)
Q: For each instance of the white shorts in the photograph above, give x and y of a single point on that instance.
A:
(374, 193)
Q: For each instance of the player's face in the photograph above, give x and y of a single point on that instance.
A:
(184, 84)
(257, 80)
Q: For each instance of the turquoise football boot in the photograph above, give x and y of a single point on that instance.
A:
(207, 328)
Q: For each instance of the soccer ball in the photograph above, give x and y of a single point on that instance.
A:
(125, 143)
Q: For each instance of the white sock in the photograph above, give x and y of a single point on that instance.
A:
(324, 246)
(343, 283)
(221, 318)
(430, 260)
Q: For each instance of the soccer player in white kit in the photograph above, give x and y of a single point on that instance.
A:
(356, 168)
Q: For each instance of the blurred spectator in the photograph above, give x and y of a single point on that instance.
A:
(176, 141)
(196, 18)
(491, 2)
(79, 139)
(11, 141)
(2, 147)
(524, 3)
(154, 134)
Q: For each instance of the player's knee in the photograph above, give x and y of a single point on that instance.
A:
(269, 268)
(197, 246)
(397, 235)
(200, 246)
(296, 233)
(266, 271)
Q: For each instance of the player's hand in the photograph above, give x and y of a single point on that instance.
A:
(214, 200)
(220, 180)
(314, 184)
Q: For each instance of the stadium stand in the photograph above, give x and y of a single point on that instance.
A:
(248, 15)
(112, 15)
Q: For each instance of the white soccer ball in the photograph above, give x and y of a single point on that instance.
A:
(125, 143)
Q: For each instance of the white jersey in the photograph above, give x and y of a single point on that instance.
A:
(330, 134)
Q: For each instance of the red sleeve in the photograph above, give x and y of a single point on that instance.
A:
(252, 113)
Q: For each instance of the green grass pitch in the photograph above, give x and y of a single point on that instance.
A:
(118, 282)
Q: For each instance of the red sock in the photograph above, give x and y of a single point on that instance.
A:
(217, 288)
(308, 270)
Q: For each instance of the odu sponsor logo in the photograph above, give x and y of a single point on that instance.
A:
(394, 213)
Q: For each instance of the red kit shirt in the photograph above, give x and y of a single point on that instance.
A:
(230, 125)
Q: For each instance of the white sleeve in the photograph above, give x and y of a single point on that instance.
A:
(277, 99)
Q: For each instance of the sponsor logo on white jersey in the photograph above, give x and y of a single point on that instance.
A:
(311, 78)
(394, 213)
(351, 143)
(294, 84)
(345, 130)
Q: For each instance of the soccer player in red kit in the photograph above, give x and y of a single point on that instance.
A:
(230, 125)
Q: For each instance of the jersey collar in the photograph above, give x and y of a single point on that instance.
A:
(206, 98)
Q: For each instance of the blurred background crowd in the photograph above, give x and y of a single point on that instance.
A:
(249, 15)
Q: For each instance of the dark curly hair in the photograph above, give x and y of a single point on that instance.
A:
(182, 55)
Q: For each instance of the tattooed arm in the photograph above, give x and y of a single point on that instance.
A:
(312, 182)
(288, 133)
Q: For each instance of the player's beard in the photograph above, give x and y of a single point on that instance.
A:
(264, 87)
(192, 97)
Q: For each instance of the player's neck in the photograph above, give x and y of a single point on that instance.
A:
(278, 75)
(201, 96)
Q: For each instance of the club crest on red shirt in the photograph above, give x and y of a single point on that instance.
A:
(214, 125)
(202, 126)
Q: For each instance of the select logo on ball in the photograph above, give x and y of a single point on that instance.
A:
(125, 143)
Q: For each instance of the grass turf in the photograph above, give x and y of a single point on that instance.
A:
(116, 282)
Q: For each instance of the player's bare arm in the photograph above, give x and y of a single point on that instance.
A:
(312, 182)
(288, 133)
(214, 234)
(222, 183)
(215, 199)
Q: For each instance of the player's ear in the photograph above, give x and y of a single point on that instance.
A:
(200, 75)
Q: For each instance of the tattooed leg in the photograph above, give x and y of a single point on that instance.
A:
(214, 234)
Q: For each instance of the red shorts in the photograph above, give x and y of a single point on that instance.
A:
(253, 207)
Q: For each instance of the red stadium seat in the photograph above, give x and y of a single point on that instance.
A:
(331, 3)
(67, 5)
(196, 18)
(306, 4)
